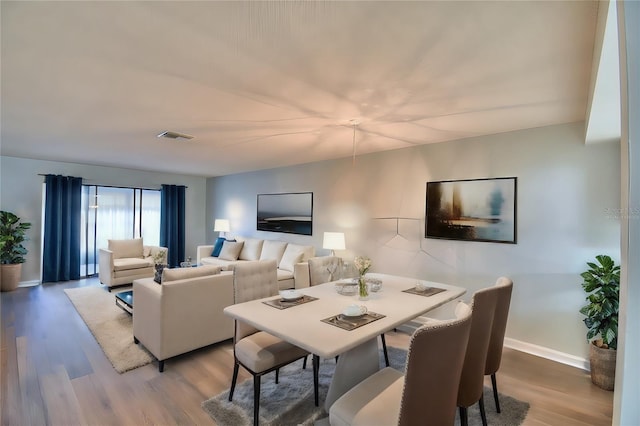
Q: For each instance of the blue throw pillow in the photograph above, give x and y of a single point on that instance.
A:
(217, 247)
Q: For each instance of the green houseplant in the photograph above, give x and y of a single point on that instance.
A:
(12, 252)
(601, 282)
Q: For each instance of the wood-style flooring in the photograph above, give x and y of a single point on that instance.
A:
(53, 372)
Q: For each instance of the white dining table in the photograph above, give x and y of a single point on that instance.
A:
(302, 324)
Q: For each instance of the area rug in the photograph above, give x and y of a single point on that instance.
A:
(291, 401)
(110, 325)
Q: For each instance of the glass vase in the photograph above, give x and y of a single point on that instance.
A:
(363, 288)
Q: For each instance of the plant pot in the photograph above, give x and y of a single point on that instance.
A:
(603, 366)
(10, 276)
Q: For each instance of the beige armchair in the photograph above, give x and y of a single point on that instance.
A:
(183, 313)
(126, 260)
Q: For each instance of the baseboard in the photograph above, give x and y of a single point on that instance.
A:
(547, 353)
(31, 283)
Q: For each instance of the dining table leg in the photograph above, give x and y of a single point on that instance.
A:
(353, 367)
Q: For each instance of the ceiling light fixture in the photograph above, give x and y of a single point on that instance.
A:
(174, 135)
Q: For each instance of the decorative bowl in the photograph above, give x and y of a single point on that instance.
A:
(347, 287)
(290, 294)
(375, 284)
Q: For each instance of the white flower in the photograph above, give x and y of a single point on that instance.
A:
(159, 257)
(362, 264)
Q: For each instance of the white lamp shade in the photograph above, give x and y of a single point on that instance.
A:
(221, 225)
(333, 241)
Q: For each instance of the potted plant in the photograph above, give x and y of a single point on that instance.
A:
(602, 284)
(12, 252)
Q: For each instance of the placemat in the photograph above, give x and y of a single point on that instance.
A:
(429, 291)
(284, 304)
(350, 323)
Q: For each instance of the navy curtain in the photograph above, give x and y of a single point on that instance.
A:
(172, 222)
(61, 257)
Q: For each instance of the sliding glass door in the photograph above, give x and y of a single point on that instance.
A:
(116, 213)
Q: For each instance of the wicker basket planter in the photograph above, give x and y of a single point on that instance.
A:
(10, 276)
(603, 366)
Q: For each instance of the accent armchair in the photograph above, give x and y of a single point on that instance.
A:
(126, 260)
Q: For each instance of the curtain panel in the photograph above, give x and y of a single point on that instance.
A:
(172, 222)
(61, 251)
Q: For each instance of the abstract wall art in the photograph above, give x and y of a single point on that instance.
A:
(472, 210)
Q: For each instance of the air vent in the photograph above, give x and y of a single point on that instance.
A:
(174, 135)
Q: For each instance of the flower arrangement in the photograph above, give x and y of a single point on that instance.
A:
(362, 264)
(159, 257)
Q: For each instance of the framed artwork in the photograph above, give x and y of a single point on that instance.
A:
(290, 213)
(472, 210)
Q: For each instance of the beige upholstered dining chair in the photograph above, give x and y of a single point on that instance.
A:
(425, 394)
(494, 355)
(257, 351)
(472, 379)
(323, 269)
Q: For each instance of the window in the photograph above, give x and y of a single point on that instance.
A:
(116, 213)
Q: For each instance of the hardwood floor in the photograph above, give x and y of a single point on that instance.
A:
(54, 372)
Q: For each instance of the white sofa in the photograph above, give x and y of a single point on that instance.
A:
(126, 260)
(293, 269)
(183, 313)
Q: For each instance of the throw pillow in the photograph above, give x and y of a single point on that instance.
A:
(217, 246)
(273, 250)
(230, 250)
(126, 248)
(251, 249)
(292, 255)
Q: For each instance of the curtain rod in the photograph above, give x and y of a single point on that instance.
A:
(116, 186)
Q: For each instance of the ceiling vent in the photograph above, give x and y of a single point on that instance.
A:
(174, 135)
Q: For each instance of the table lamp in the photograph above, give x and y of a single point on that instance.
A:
(221, 226)
(333, 241)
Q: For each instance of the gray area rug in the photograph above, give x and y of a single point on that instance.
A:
(110, 325)
(291, 401)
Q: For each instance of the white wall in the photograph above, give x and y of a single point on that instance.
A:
(568, 197)
(626, 410)
(21, 193)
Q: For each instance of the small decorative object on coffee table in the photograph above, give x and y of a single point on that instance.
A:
(159, 260)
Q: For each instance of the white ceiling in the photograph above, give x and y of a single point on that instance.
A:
(270, 84)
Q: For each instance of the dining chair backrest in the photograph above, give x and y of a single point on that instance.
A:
(434, 364)
(253, 280)
(320, 269)
(504, 287)
(472, 379)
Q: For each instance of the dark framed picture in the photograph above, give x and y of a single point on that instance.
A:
(290, 213)
(472, 210)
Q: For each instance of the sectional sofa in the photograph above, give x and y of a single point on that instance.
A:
(293, 268)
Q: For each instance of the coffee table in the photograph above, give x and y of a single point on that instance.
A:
(124, 300)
